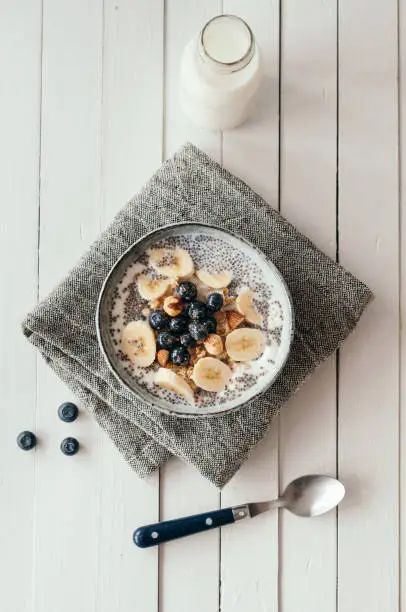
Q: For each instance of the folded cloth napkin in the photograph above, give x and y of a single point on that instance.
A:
(328, 302)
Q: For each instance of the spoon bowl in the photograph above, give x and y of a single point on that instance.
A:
(312, 495)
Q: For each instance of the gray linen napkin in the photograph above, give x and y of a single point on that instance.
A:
(328, 302)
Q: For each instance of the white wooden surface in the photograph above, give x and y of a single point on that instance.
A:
(88, 110)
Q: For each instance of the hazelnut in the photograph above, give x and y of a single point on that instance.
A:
(213, 344)
(162, 357)
(234, 319)
(221, 319)
(173, 305)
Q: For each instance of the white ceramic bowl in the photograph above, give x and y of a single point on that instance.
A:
(215, 248)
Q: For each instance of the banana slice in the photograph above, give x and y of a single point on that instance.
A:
(211, 374)
(152, 288)
(175, 263)
(217, 280)
(169, 380)
(245, 306)
(245, 344)
(138, 343)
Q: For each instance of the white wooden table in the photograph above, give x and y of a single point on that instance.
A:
(88, 110)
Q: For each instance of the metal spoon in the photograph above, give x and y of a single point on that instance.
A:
(309, 495)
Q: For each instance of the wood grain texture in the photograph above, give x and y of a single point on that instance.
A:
(402, 309)
(20, 66)
(308, 199)
(369, 363)
(131, 138)
(249, 551)
(67, 512)
(189, 569)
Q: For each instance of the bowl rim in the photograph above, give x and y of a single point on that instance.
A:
(138, 396)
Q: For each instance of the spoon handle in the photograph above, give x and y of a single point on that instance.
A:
(151, 535)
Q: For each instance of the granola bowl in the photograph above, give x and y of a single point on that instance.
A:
(194, 320)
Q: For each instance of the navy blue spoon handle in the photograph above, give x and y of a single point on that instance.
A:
(151, 535)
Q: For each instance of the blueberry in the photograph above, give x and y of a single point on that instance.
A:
(186, 291)
(186, 309)
(26, 440)
(158, 319)
(166, 340)
(187, 340)
(178, 324)
(180, 355)
(198, 331)
(69, 446)
(68, 412)
(197, 311)
(211, 325)
(214, 302)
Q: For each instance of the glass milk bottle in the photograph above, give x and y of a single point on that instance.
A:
(220, 73)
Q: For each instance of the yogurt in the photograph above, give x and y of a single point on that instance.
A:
(220, 73)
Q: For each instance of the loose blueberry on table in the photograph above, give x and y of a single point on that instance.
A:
(26, 440)
(68, 412)
(69, 446)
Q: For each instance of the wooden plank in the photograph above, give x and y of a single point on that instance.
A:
(80, 532)
(308, 199)
(402, 368)
(369, 362)
(67, 512)
(20, 66)
(250, 581)
(132, 149)
(183, 490)
(132, 98)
